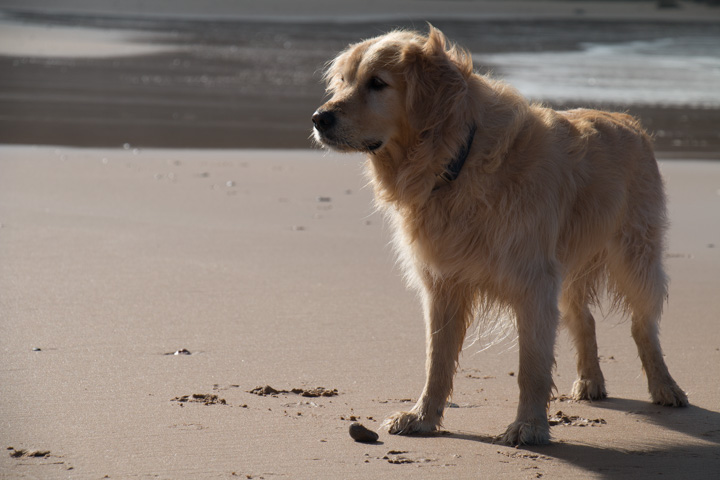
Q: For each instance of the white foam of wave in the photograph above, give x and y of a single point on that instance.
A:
(33, 40)
(672, 71)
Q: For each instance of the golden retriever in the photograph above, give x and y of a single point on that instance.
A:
(502, 205)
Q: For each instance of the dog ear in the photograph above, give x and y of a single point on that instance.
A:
(436, 78)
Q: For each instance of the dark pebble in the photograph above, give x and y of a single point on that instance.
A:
(359, 433)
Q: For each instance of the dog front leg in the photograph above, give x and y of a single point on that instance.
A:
(537, 321)
(447, 314)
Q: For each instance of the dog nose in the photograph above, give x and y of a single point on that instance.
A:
(323, 120)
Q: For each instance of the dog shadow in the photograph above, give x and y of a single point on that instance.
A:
(699, 458)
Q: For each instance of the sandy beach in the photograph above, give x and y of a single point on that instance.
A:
(271, 268)
(188, 291)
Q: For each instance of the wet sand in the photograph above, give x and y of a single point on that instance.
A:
(238, 84)
(270, 268)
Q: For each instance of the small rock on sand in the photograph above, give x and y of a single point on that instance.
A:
(362, 434)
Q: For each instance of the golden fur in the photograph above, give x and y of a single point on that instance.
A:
(550, 210)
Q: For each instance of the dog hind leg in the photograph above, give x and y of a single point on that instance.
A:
(590, 384)
(637, 271)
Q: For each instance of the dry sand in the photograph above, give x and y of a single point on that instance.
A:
(271, 268)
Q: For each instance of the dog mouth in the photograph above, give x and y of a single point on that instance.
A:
(339, 144)
(326, 140)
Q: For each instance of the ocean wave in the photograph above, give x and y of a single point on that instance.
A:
(667, 71)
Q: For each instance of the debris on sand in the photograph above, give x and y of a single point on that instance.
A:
(204, 398)
(573, 420)
(313, 392)
(316, 392)
(182, 351)
(22, 453)
(266, 390)
(362, 434)
(396, 457)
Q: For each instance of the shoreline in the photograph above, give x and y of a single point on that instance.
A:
(678, 132)
(255, 85)
(243, 84)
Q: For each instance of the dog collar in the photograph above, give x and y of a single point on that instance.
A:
(452, 170)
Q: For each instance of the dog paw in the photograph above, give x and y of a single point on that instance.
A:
(408, 423)
(586, 389)
(526, 433)
(669, 395)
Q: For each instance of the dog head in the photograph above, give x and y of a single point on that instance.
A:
(397, 88)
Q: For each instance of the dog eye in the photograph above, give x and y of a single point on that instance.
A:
(376, 83)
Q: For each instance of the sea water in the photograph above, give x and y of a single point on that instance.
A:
(682, 71)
